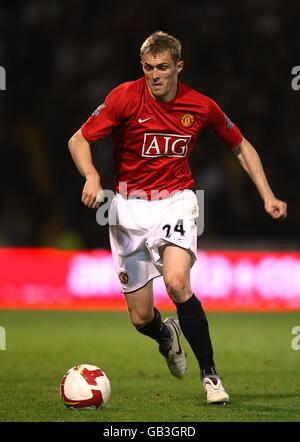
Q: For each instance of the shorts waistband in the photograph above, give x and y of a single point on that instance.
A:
(133, 197)
(144, 197)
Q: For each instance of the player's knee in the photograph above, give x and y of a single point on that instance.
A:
(139, 318)
(178, 288)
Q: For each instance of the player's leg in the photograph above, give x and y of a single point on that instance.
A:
(133, 264)
(140, 305)
(145, 317)
(193, 322)
(176, 271)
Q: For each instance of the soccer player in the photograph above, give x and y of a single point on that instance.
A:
(154, 122)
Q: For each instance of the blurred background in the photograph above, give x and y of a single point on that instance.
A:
(63, 57)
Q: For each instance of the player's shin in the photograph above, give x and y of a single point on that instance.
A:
(195, 328)
(156, 329)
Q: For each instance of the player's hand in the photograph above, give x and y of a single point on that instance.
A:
(92, 191)
(276, 208)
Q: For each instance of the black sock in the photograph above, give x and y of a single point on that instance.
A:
(194, 326)
(157, 330)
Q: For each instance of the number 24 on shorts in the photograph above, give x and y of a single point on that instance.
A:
(178, 228)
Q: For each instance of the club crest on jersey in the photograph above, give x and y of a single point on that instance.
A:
(123, 277)
(187, 120)
(169, 145)
(97, 111)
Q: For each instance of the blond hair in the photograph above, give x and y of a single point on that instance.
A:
(159, 42)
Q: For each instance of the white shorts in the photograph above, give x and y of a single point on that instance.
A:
(139, 228)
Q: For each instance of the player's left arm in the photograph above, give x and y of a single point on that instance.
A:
(250, 161)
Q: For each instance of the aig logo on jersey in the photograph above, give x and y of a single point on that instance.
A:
(170, 145)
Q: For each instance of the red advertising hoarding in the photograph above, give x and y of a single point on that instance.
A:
(223, 280)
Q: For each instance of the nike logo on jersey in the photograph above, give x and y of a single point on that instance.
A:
(142, 120)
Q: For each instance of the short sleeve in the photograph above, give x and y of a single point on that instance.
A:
(108, 115)
(219, 124)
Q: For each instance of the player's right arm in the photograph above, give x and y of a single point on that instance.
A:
(81, 153)
(99, 125)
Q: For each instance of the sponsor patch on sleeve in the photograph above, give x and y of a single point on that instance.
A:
(228, 121)
(97, 111)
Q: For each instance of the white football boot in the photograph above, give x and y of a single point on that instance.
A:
(214, 390)
(175, 356)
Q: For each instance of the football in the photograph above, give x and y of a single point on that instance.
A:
(85, 386)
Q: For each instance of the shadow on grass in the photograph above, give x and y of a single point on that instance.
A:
(268, 403)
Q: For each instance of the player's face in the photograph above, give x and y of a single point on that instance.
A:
(161, 73)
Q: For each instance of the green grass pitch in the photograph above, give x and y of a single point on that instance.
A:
(253, 353)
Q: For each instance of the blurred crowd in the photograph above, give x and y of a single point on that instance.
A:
(63, 57)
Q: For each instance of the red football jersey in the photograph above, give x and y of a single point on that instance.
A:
(152, 140)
